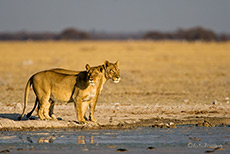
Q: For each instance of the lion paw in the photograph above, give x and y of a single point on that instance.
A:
(92, 119)
(53, 117)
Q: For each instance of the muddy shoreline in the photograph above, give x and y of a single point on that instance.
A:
(119, 116)
(154, 122)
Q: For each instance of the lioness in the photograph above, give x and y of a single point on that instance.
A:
(50, 86)
(58, 70)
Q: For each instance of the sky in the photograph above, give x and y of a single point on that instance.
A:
(113, 15)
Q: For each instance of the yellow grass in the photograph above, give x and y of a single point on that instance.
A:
(152, 72)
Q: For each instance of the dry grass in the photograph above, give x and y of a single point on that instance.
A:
(152, 72)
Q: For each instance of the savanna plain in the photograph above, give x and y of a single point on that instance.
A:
(163, 83)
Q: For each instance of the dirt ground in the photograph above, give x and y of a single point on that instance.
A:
(163, 84)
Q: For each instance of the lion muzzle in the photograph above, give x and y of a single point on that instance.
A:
(117, 80)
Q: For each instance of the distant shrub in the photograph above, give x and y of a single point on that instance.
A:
(197, 33)
(155, 35)
(28, 36)
(192, 34)
(73, 34)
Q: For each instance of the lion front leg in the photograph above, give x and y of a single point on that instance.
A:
(92, 109)
(78, 108)
(85, 106)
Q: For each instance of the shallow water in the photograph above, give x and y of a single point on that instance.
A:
(183, 139)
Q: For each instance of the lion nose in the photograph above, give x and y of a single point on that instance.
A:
(118, 79)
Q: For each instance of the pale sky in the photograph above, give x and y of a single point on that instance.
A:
(113, 15)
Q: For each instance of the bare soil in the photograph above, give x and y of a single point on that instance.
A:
(163, 84)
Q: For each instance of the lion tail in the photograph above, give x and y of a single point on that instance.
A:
(27, 89)
(31, 112)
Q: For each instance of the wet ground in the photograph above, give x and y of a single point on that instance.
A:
(184, 139)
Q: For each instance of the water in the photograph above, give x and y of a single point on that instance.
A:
(184, 139)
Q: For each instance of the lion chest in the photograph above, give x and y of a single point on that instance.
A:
(89, 94)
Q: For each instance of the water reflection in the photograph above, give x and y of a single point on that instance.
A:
(82, 139)
(142, 140)
(91, 139)
(49, 139)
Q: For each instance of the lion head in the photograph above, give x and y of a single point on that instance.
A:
(94, 73)
(112, 71)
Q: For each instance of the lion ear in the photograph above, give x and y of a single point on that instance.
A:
(106, 63)
(87, 67)
(101, 68)
(117, 63)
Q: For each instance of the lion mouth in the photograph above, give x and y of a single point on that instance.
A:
(91, 83)
(117, 80)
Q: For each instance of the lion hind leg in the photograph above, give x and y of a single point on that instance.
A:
(40, 114)
(51, 109)
(46, 111)
(43, 111)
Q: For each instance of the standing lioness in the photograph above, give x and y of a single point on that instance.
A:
(50, 86)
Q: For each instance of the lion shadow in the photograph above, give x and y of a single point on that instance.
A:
(14, 116)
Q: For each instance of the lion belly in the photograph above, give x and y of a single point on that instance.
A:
(64, 96)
